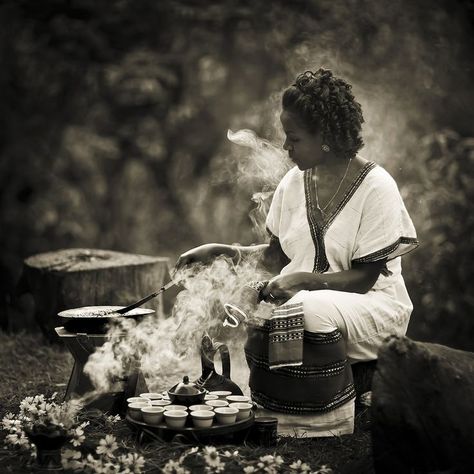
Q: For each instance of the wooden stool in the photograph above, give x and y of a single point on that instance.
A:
(363, 373)
(81, 346)
(72, 278)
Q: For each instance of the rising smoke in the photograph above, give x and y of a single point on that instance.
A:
(169, 348)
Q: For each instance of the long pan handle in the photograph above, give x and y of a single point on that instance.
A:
(138, 303)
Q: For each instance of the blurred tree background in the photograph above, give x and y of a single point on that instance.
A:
(114, 117)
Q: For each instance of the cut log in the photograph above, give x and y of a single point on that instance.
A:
(422, 408)
(73, 278)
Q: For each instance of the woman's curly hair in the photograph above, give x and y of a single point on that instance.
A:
(325, 103)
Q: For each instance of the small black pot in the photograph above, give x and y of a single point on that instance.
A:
(185, 399)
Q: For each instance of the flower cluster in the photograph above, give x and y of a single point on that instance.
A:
(40, 411)
(40, 414)
(16, 436)
(107, 460)
(213, 461)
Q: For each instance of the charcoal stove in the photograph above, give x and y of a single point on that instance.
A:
(81, 345)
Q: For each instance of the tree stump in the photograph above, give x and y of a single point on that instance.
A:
(72, 278)
(422, 408)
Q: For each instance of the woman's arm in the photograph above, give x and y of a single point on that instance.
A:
(269, 257)
(359, 279)
(208, 252)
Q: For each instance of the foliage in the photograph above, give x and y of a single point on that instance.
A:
(440, 272)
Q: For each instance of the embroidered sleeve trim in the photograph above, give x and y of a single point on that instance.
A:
(385, 252)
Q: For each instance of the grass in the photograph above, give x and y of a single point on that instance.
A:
(30, 367)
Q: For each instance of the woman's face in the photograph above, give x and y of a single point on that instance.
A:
(303, 146)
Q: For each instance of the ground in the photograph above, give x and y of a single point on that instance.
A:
(30, 367)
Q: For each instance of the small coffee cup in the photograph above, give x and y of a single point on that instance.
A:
(226, 415)
(238, 399)
(175, 418)
(217, 403)
(137, 400)
(200, 407)
(134, 410)
(175, 407)
(202, 418)
(244, 409)
(152, 415)
(151, 395)
(160, 403)
(221, 394)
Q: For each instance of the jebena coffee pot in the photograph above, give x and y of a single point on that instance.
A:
(210, 379)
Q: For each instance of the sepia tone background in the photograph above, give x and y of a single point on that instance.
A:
(114, 119)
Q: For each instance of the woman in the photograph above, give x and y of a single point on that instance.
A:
(337, 227)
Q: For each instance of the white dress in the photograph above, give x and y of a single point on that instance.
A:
(367, 221)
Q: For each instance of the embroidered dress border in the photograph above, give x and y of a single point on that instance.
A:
(323, 338)
(283, 406)
(318, 230)
(379, 254)
(311, 337)
(301, 372)
(321, 263)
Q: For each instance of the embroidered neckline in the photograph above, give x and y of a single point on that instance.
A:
(318, 223)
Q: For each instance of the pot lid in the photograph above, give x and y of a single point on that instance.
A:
(102, 312)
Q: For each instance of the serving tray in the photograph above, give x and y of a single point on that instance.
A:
(235, 432)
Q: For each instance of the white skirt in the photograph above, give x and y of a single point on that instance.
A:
(364, 320)
(333, 423)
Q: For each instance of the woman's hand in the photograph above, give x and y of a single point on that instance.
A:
(202, 254)
(283, 287)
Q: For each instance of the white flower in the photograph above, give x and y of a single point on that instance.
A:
(71, 454)
(12, 439)
(212, 458)
(99, 466)
(217, 468)
(173, 467)
(112, 419)
(9, 422)
(299, 466)
(192, 451)
(72, 459)
(270, 464)
(210, 450)
(78, 436)
(249, 469)
(228, 454)
(107, 446)
(132, 462)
